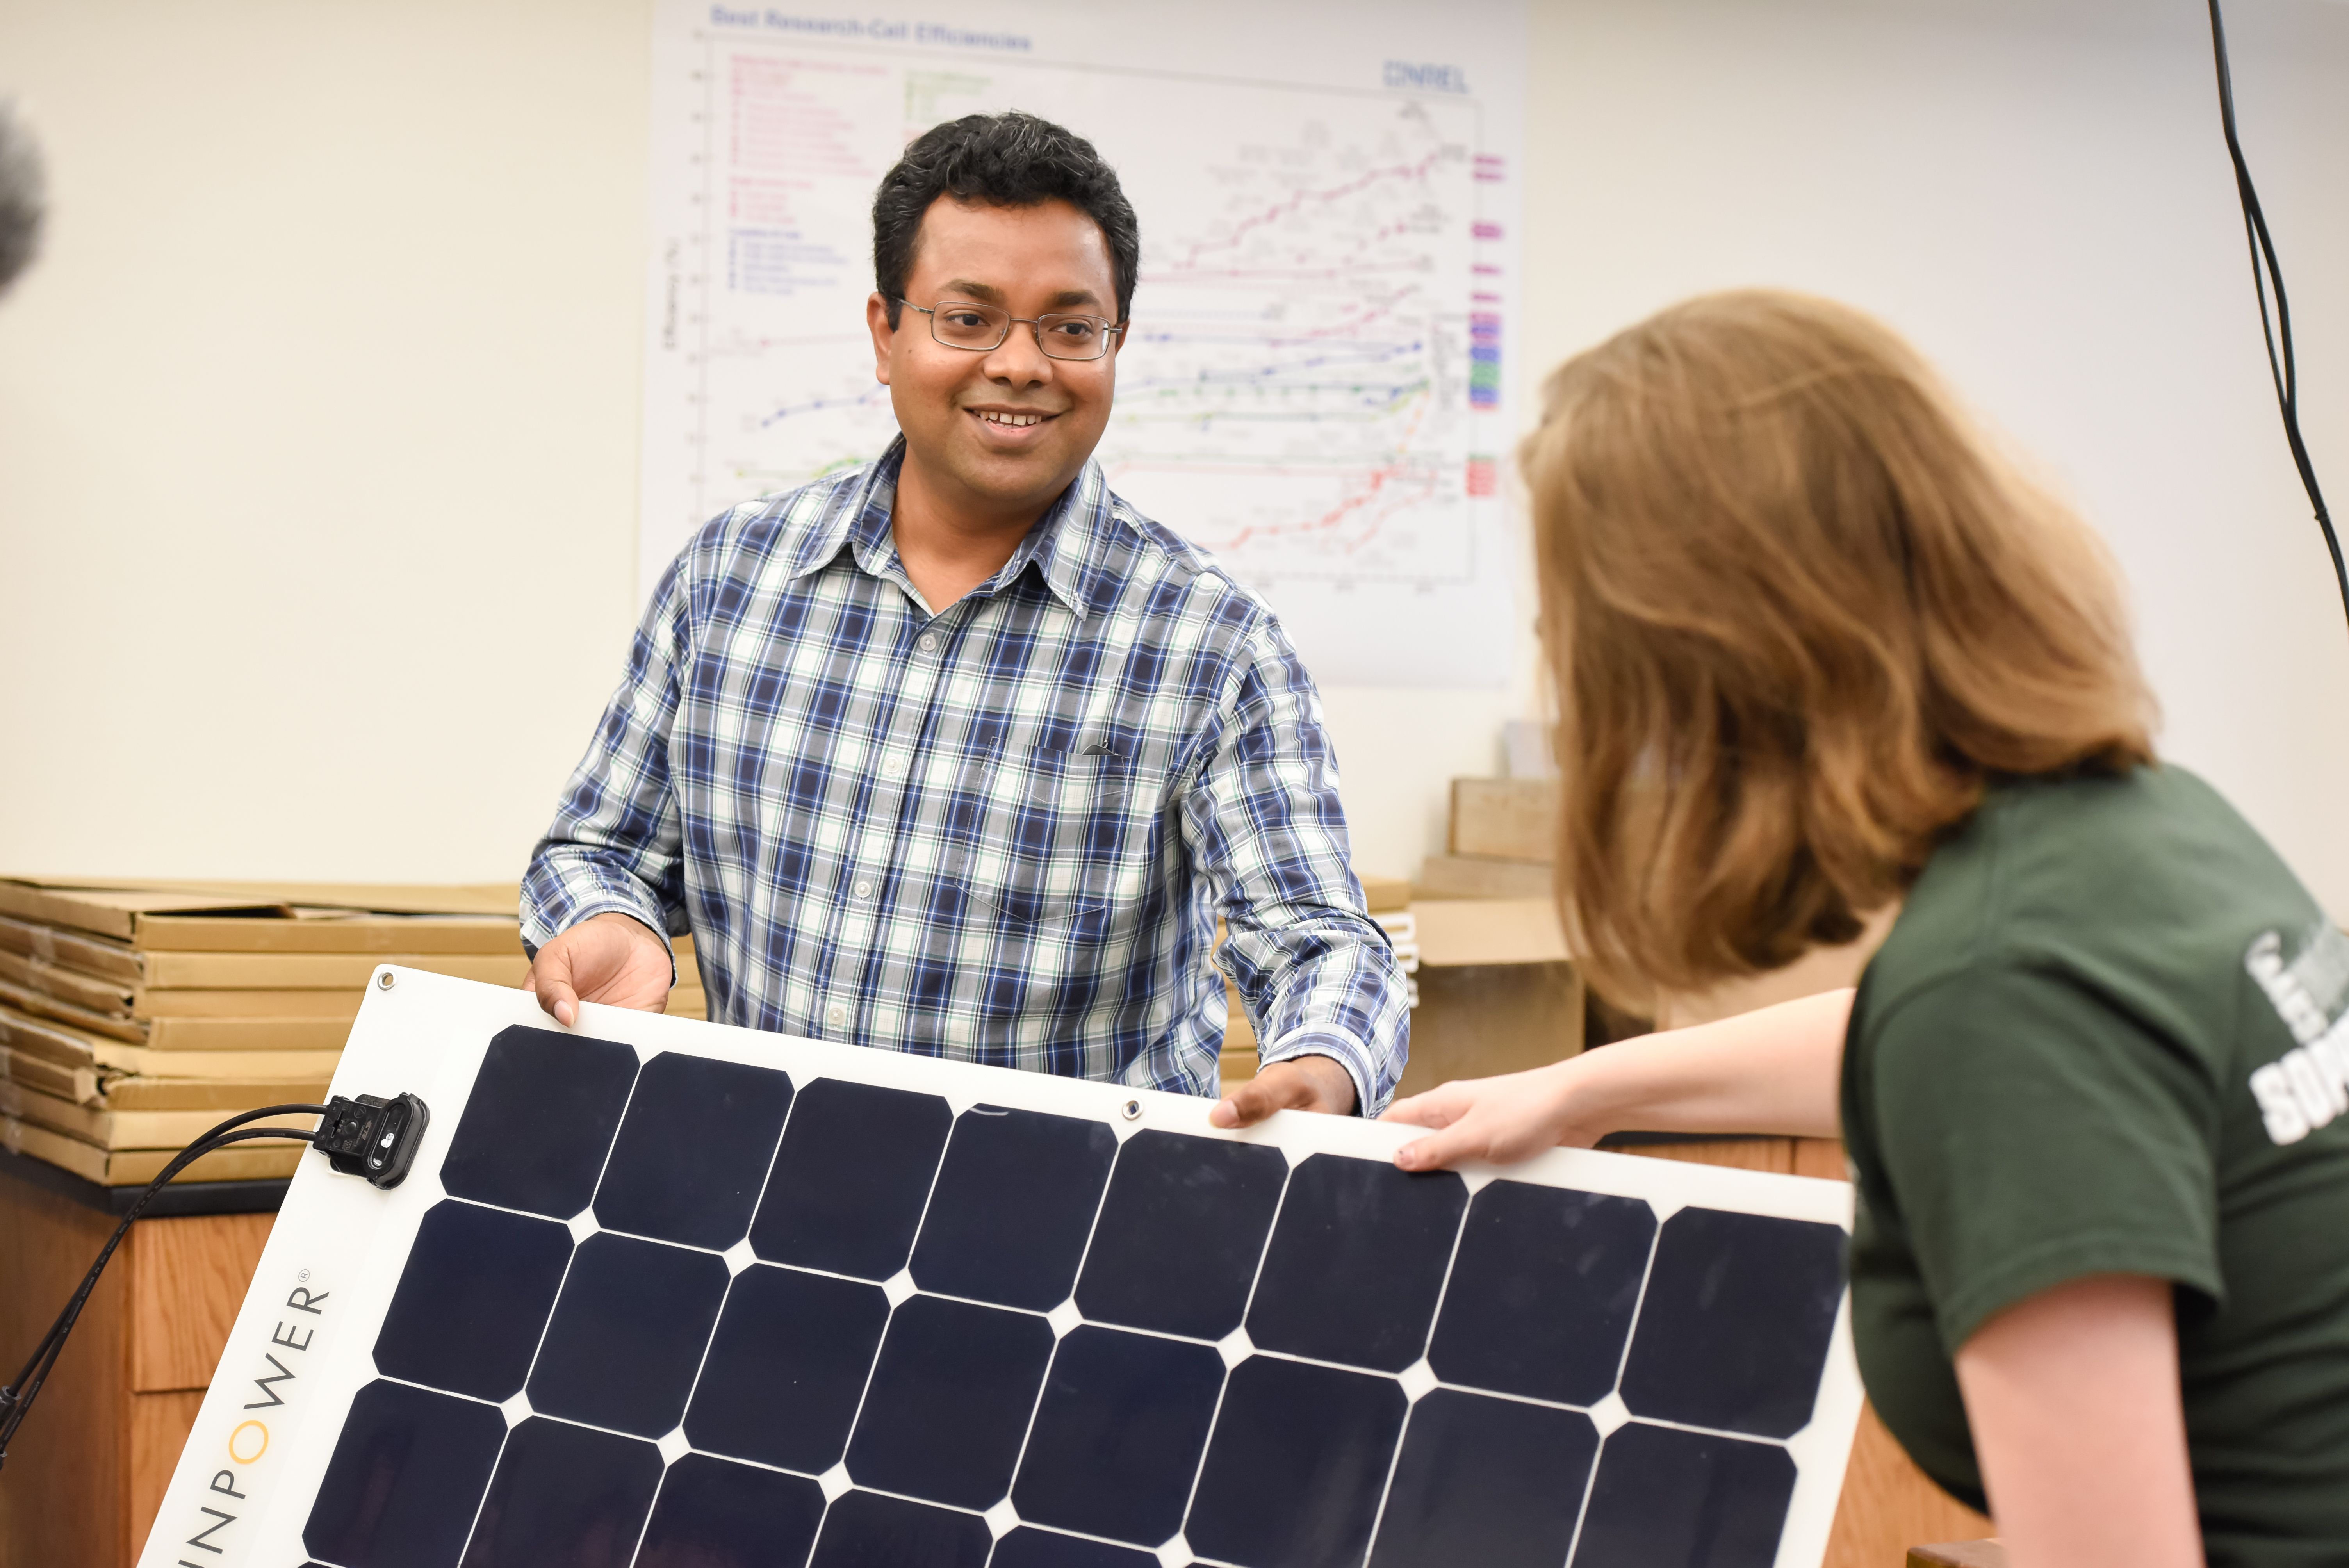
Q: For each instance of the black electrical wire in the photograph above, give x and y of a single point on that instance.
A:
(18, 1397)
(2266, 273)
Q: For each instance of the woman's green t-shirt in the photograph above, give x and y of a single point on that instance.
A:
(2107, 1036)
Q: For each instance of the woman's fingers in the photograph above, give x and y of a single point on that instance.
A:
(1436, 1108)
(1502, 1119)
(1447, 1147)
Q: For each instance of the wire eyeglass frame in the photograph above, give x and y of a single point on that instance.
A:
(1107, 332)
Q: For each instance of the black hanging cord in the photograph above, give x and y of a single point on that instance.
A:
(18, 1397)
(2267, 274)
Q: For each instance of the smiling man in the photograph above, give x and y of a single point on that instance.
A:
(959, 753)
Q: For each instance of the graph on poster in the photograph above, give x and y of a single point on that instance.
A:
(1313, 389)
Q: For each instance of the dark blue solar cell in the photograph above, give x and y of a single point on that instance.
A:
(949, 1401)
(1297, 1464)
(715, 1514)
(564, 1496)
(1357, 1262)
(1014, 1203)
(1686, 1499)
(1025, 1548)
(1733, 1329)
(539, 1121)
(851, 1179)
(863, 1530)
(407, 1474)
(472, 1300)
(628, 1334)
(1180, 1234)
(1542, 1292)
(1118, 1435)
(787, 1367)
(693, 1150)
(1485, 1481)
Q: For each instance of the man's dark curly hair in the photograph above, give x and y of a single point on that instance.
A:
(1010, 159)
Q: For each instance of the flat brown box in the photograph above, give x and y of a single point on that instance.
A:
(96, 961)
(123, 999)
(137, 1167)
(1505, 818)
(52, 1041)
(270, 917)
(111, 1090)
(188, 1034)
(1471, 876)
(104, 1129)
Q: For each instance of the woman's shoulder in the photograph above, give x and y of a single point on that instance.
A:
(2149, 886)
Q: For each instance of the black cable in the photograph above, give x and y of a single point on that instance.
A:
(18, 1397)
(2267, 273)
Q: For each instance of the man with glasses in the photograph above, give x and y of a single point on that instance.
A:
(958, 753)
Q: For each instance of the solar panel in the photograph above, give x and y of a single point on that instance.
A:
(670, 1295)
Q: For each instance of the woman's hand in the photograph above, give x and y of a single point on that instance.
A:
(1504, 1120)
(1772, 1070)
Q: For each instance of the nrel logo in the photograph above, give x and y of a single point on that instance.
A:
(275, 1388)
(1425, 77)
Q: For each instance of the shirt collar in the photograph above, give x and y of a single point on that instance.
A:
(1065, 545)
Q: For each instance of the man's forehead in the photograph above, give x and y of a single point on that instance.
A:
(984, 253)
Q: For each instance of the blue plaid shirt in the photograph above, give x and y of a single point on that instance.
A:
(1002, 833)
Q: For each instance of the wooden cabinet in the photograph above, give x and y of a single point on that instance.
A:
(86, 1471)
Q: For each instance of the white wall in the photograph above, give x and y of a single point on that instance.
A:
(2034, 190)
(317, 421)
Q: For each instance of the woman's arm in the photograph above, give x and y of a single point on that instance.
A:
(2073, 1397)
(1773, 1070)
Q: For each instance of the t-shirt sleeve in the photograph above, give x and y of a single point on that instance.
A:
(2034, 1132)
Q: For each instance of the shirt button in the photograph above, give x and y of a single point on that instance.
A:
(837, 1015)
(863, 888)
(929, 642)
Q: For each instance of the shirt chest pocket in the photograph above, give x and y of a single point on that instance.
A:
(1051, 830)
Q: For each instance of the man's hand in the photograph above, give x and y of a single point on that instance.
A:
(1301, 1083)
(609, 957)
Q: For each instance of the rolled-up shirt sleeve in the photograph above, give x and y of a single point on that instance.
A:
(616, 842)
(1265, 830)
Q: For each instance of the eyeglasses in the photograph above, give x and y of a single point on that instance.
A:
(959, 323)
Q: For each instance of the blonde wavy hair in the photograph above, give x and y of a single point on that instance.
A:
(1798, 615)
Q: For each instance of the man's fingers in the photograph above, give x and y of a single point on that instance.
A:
(559, 1003)
(1259, 1097)
(1243, 1107)
(550, 980)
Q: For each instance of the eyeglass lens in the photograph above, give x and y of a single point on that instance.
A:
(958, 324)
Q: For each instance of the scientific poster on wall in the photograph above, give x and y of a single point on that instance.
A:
(1317, 385)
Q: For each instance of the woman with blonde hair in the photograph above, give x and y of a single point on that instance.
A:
(1826, 667)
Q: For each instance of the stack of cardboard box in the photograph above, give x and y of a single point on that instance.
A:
(134, 1016)
(1503, 838)
(1493, 988)
(1500, 850)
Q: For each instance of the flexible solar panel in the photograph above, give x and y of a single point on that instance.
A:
(676, 1295)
